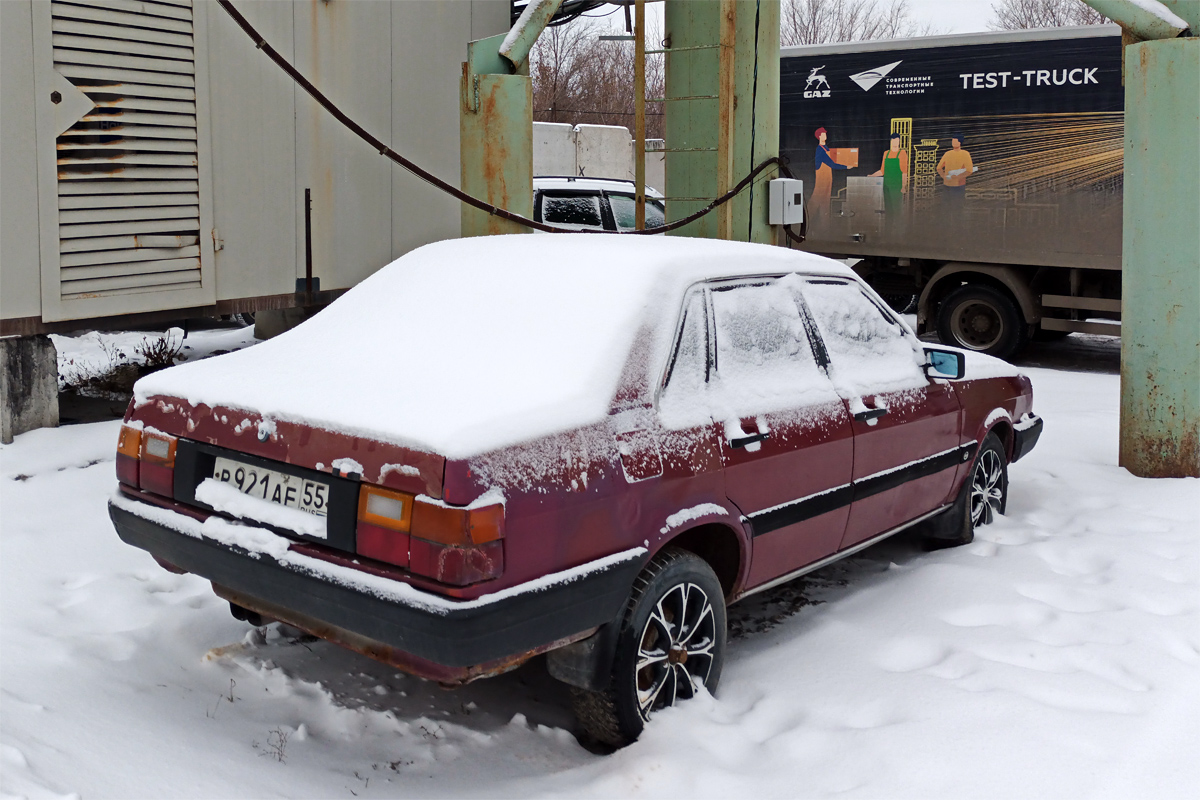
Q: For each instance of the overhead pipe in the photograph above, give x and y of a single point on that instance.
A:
(1146, 19)
(529, 26)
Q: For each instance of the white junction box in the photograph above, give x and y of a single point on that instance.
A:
(786, 206)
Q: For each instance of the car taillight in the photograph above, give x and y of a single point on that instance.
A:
(147, 460)
(457, 546)
(384, 517)
(129, 451)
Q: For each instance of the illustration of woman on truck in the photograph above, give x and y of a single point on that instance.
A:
(894, 169)
(818, 201)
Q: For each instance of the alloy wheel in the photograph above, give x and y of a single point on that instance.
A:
(986, 488)
(675, 651)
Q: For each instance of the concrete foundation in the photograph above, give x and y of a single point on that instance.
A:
(28, 385)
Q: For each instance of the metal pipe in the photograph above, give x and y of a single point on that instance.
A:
(529, 26)
(639, 115)
(308, 278)
(1146, 19)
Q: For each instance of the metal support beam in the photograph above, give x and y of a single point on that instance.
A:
(1160, 320)
(639, 114)
(722, 111)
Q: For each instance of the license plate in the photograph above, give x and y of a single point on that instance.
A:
(275, 487)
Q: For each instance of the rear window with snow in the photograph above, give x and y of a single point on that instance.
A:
(573, 211)
(868, 352)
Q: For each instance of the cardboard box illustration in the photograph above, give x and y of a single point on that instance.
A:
(846, 156)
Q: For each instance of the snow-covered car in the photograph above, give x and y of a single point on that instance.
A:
(592, 204)
(581, 445)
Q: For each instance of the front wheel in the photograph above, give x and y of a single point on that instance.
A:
(982, 497)
(671, 643)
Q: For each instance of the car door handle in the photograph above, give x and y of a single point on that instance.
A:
(868, 414)
(745, 440)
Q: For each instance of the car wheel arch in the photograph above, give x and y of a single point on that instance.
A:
(999, 276)
(720, 545)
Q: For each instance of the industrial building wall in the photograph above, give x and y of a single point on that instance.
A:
(259, 141)
(20, 281)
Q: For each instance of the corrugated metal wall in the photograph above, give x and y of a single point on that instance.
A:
(172, 156)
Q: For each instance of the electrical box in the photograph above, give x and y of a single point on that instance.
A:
(786, 206)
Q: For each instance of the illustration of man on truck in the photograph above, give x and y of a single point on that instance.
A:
(818, 202)
(954, 168)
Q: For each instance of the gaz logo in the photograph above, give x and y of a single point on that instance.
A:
(812, 88)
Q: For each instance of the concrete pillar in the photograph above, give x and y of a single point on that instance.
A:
(1160, 315)
(28, 385)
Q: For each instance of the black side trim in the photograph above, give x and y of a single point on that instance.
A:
(813, 506)
(461, 637)
(917, 469)
(807, 508)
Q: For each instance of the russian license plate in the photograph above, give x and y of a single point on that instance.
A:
(275, 487)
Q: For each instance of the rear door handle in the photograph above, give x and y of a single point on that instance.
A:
(868, 414)
(745, 440)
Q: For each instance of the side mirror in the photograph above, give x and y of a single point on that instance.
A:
(945, 364)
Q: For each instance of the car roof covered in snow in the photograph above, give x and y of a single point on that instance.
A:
(468, 345)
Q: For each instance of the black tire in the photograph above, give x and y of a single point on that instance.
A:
(646, 674)
(983, 318)
(984, 495)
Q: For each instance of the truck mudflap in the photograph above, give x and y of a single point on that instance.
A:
(1025, 435)
(444, 640)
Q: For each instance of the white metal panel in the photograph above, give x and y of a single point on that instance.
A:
(20, 269)
(254, 155)
(350, 182)
(131, 226)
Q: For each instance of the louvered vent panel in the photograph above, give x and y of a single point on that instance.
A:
(128, 187)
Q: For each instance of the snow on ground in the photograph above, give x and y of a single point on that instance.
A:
(92, 353)
(1057, 656)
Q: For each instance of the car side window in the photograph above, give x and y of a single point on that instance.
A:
(577, 211)
(624, 208)
(681, 402)
(764, 360)
(868, 351)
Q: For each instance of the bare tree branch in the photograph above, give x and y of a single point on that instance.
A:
(821, 21)
(1014, 15)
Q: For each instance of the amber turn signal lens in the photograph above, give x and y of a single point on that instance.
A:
(130, 442)
(385, 508)
(458, 527)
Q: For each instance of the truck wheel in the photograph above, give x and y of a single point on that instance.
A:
(980, 317)
(672, 641)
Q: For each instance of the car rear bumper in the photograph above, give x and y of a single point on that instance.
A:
(430, 636)
(1025, 436)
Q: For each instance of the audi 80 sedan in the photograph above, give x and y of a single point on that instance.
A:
(579, 445)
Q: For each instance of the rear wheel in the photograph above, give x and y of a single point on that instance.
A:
(983, 318)
(671, 643)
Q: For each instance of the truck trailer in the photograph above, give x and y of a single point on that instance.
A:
(976, 179)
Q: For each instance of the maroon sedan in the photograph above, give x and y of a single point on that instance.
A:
(585, 446)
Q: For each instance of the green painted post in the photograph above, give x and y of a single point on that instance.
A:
(693, 30)
(495, 139)
(1160, 316)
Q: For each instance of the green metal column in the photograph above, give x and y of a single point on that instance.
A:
(495, 138)
(694, 121)
(1160, 315)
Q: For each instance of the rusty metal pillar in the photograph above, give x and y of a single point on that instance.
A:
(1160, 264)
(722, 112)
(496, 123)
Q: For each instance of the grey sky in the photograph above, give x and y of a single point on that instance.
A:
(948, 16)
